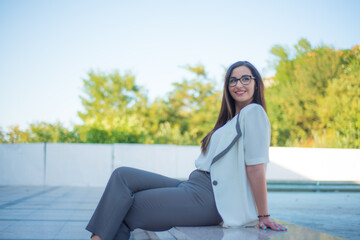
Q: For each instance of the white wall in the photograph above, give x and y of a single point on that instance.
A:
(319, 164)
(78, 164)
(92, 164)
(170, 160)
(22, 164)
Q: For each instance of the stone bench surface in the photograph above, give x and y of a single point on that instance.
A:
(219, 233)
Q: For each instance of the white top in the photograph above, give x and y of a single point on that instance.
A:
(244, 140)
(254, 153)
(204, 161)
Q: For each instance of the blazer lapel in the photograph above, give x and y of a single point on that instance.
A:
(227, 140)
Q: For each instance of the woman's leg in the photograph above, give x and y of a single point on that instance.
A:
(163, 208)
(118, 197)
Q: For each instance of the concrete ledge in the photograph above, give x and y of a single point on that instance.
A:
(312, 186)
(59, 164)
(219, 233)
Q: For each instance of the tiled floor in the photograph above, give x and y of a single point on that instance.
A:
(46, 212)
(63, 212)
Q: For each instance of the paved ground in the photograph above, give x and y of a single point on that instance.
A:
(329, 212)
(63, 212)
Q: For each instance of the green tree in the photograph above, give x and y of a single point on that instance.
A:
(15, 135)
(2, 136)
(193, 106)
(339, 110)
(47, 132)
(296, 96)
(41, 132)
(116, 110)
(113, 109)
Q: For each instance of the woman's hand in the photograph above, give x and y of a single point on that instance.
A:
(265, 223)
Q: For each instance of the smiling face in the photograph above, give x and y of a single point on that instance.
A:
(242, 94)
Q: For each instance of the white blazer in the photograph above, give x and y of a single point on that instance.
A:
(245, 141)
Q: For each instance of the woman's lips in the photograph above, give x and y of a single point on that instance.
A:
(239, 93)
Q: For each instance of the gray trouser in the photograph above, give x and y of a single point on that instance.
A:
(138, 199)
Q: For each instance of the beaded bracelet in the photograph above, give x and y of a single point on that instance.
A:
(268, 215)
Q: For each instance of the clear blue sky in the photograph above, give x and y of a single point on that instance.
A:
(47, 47)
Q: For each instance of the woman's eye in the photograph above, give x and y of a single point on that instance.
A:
(233, 80)
(246, 79)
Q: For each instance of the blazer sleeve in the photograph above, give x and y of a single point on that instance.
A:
(256, 136)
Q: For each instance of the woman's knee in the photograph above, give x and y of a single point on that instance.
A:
(120, 174)
(121, 171)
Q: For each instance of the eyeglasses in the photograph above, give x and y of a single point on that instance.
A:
(245, 80)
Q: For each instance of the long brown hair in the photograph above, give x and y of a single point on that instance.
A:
(227, 110)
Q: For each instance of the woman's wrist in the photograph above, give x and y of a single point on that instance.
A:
(263, 215)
